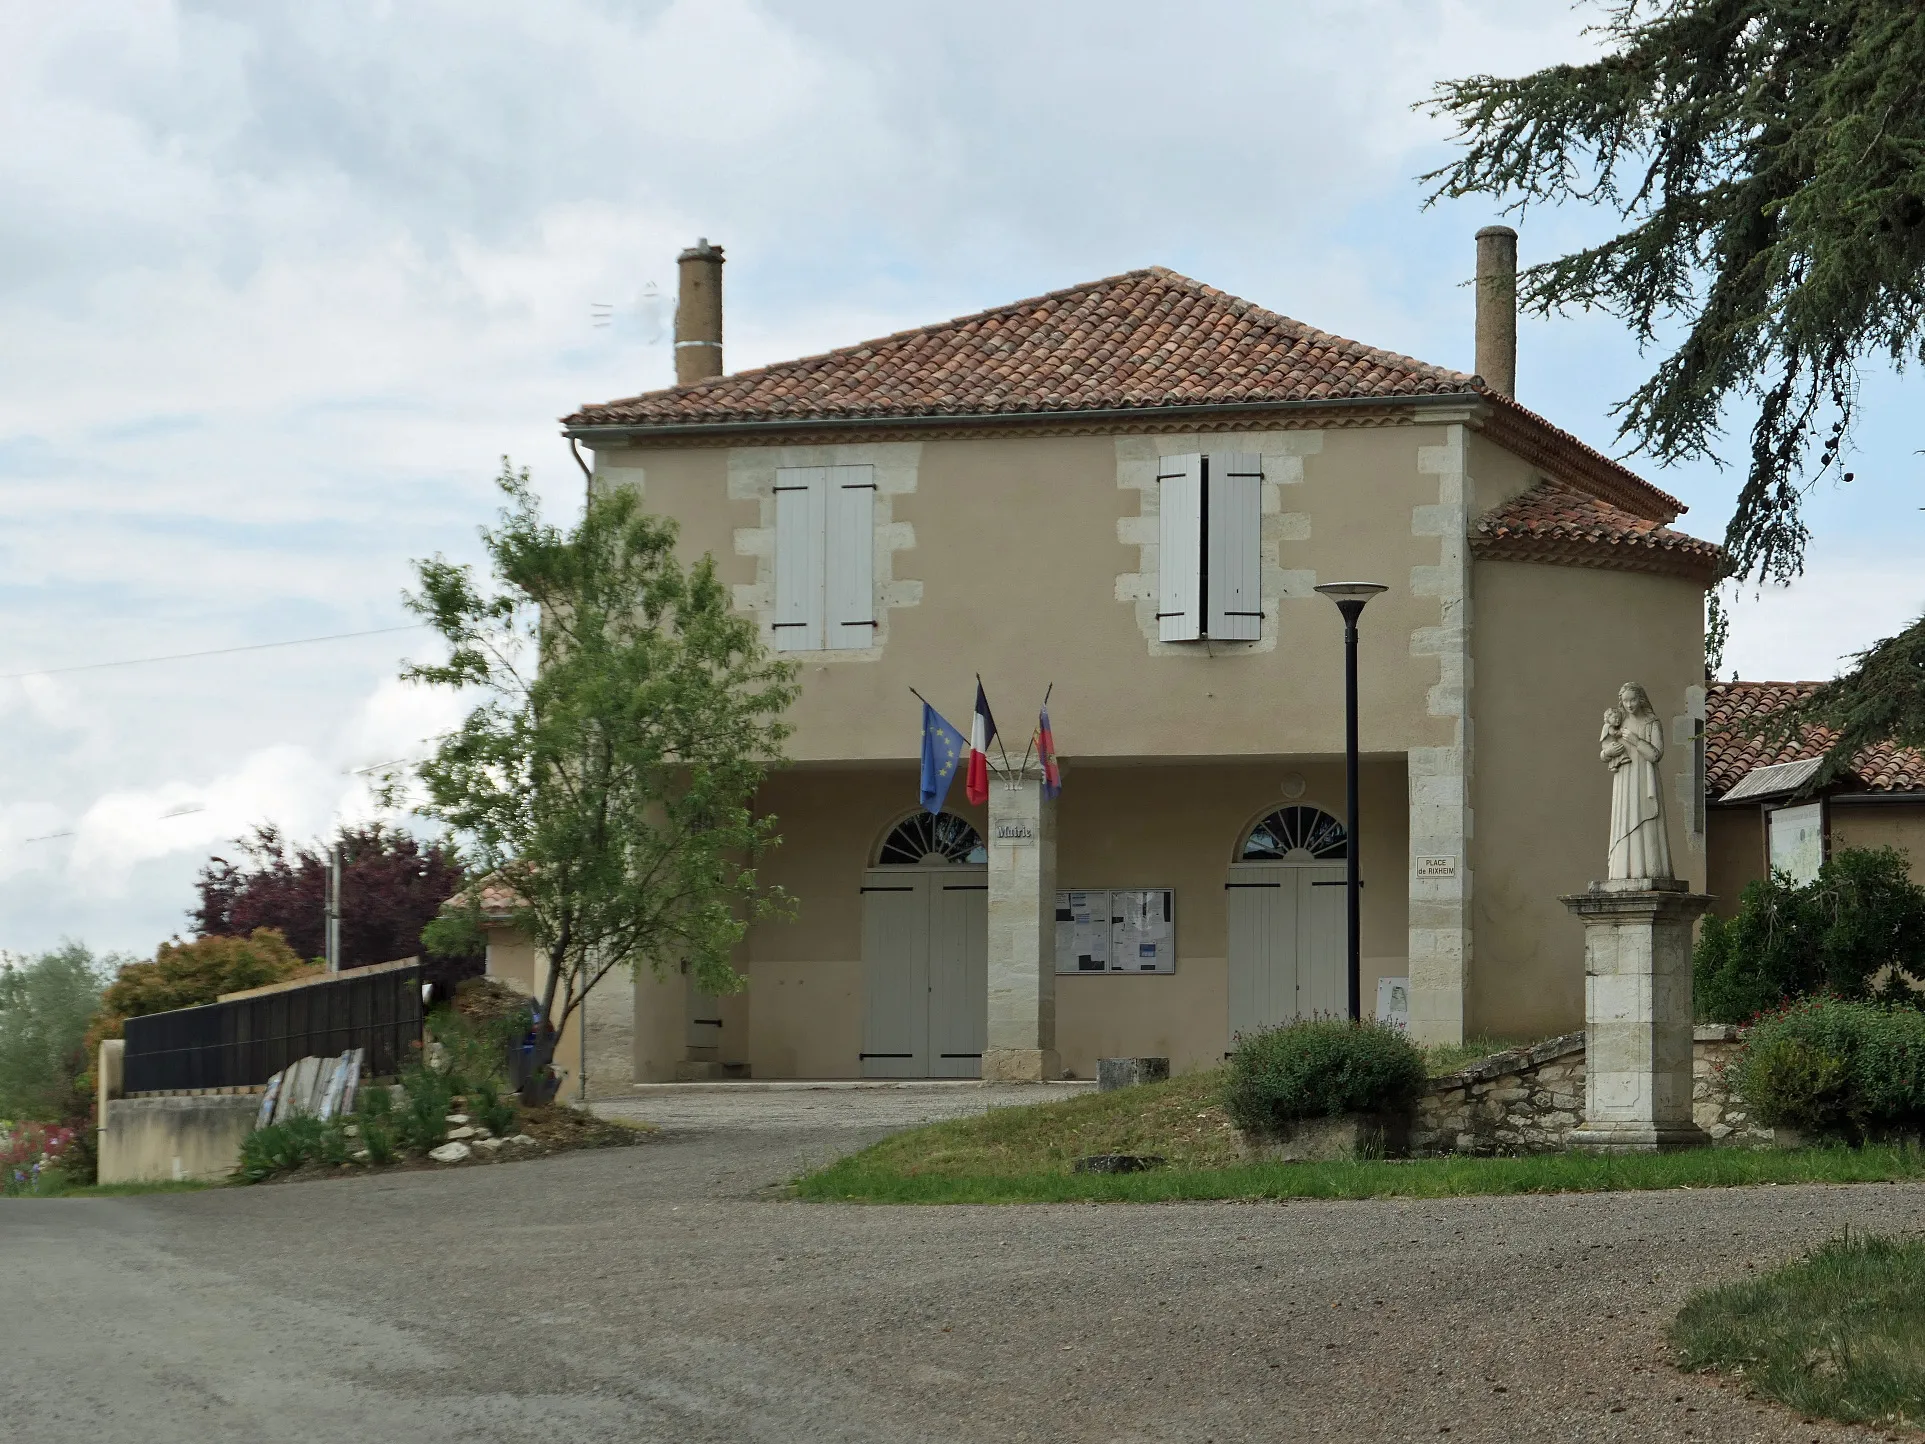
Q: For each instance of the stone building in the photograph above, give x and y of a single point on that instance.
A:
(1128, 490)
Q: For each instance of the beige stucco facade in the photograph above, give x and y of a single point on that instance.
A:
(1032, 559)
(1738, 853)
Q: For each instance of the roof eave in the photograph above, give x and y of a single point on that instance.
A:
(1470, 404)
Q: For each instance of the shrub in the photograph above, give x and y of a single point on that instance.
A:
(422, 1121)
(377, 1136)
(285, 1146)
(1836, 1067)
(479, 1031)
(183, 975)
(1320, 1067)
(1857, 931)
(492, 1111)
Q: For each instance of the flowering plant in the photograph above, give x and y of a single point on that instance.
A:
(27, 1152)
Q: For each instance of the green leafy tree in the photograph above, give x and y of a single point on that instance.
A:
(46, 1002)
(1768, 160)
(604, 781)
(185, 975)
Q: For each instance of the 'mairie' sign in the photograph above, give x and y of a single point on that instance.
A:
(1016, 833)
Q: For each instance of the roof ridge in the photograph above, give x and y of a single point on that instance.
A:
(988, 313)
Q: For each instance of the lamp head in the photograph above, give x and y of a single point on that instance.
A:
(1350, 597)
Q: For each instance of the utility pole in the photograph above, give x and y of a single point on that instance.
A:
(334, 909)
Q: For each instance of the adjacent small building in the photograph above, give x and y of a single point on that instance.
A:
(1763, 817)
(1128, 491)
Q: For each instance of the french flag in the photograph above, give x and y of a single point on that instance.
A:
(982, 732)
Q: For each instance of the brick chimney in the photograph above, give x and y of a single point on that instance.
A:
(1496, 308)
(698, 314)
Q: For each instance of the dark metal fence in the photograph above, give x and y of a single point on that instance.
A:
(245, 1042)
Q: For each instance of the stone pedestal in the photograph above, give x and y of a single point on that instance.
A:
(1637, 1015)
(1021, 1047)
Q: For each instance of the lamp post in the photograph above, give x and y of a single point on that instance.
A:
(1350, 598)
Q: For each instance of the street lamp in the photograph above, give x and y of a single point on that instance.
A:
(1350, 598)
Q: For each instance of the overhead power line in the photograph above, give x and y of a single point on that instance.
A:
(211, 652)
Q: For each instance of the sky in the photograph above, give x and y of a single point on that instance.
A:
(281, 284)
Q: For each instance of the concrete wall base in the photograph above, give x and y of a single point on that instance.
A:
(1634, 1138)
(160, 1140)
(1021, 1065)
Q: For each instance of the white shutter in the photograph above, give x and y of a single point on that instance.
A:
(801, 504)
(850, 619)
(1180, 556)
(1235, 601)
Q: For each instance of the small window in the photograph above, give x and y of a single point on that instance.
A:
(926, 840)
(1297, 834)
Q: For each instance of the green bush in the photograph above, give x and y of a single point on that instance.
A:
(477, 1047)
(375, 1101)
(1856, 932)
(422, 1121)
(1835, 1067)
(1318, 1067)
(491, 1110)
(377, 1136)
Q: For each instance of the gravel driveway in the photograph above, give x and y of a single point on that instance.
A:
(667, 1292)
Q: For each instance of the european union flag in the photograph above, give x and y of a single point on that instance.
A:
(942, 750)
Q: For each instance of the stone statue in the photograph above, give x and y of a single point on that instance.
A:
(1631, 742)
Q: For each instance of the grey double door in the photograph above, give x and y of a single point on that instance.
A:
(925, 964)
(1287, 932)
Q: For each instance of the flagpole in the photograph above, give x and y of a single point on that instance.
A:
(1008, 780)
(1032, 736)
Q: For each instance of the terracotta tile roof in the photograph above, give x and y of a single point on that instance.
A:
(1141, 340)
(496, 897)
(1729, 755)
(1144, 338)
(1560, 525)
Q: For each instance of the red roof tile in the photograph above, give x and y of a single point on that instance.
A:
(1560, 525)
(1144, 338)
(1141, 340)
(1729, 755)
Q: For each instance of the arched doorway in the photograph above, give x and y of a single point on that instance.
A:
(925, 950)
(1285, 896)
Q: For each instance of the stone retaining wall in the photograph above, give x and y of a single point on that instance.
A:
(1528, 1100)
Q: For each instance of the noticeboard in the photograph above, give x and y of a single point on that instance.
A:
(1116, 930)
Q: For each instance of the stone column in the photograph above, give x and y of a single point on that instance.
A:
(1637, 1015)
(1021, 1047)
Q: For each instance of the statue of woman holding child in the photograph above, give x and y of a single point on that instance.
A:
(1631, 743)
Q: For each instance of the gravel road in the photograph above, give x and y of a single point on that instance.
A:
(667, 1292)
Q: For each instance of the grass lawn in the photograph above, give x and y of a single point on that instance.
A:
(56, 1187)
(1840, 1333)
(1025, 1155)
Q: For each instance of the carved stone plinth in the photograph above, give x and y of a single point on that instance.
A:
(1637, 1015)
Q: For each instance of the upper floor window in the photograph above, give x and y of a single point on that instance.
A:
(1210, 561)
(824, 558)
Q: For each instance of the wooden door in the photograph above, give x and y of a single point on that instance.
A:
(1287, 927)
(1323, 927)
(958, 973)
(925, 959)
(895, 970)
(1262, 902)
